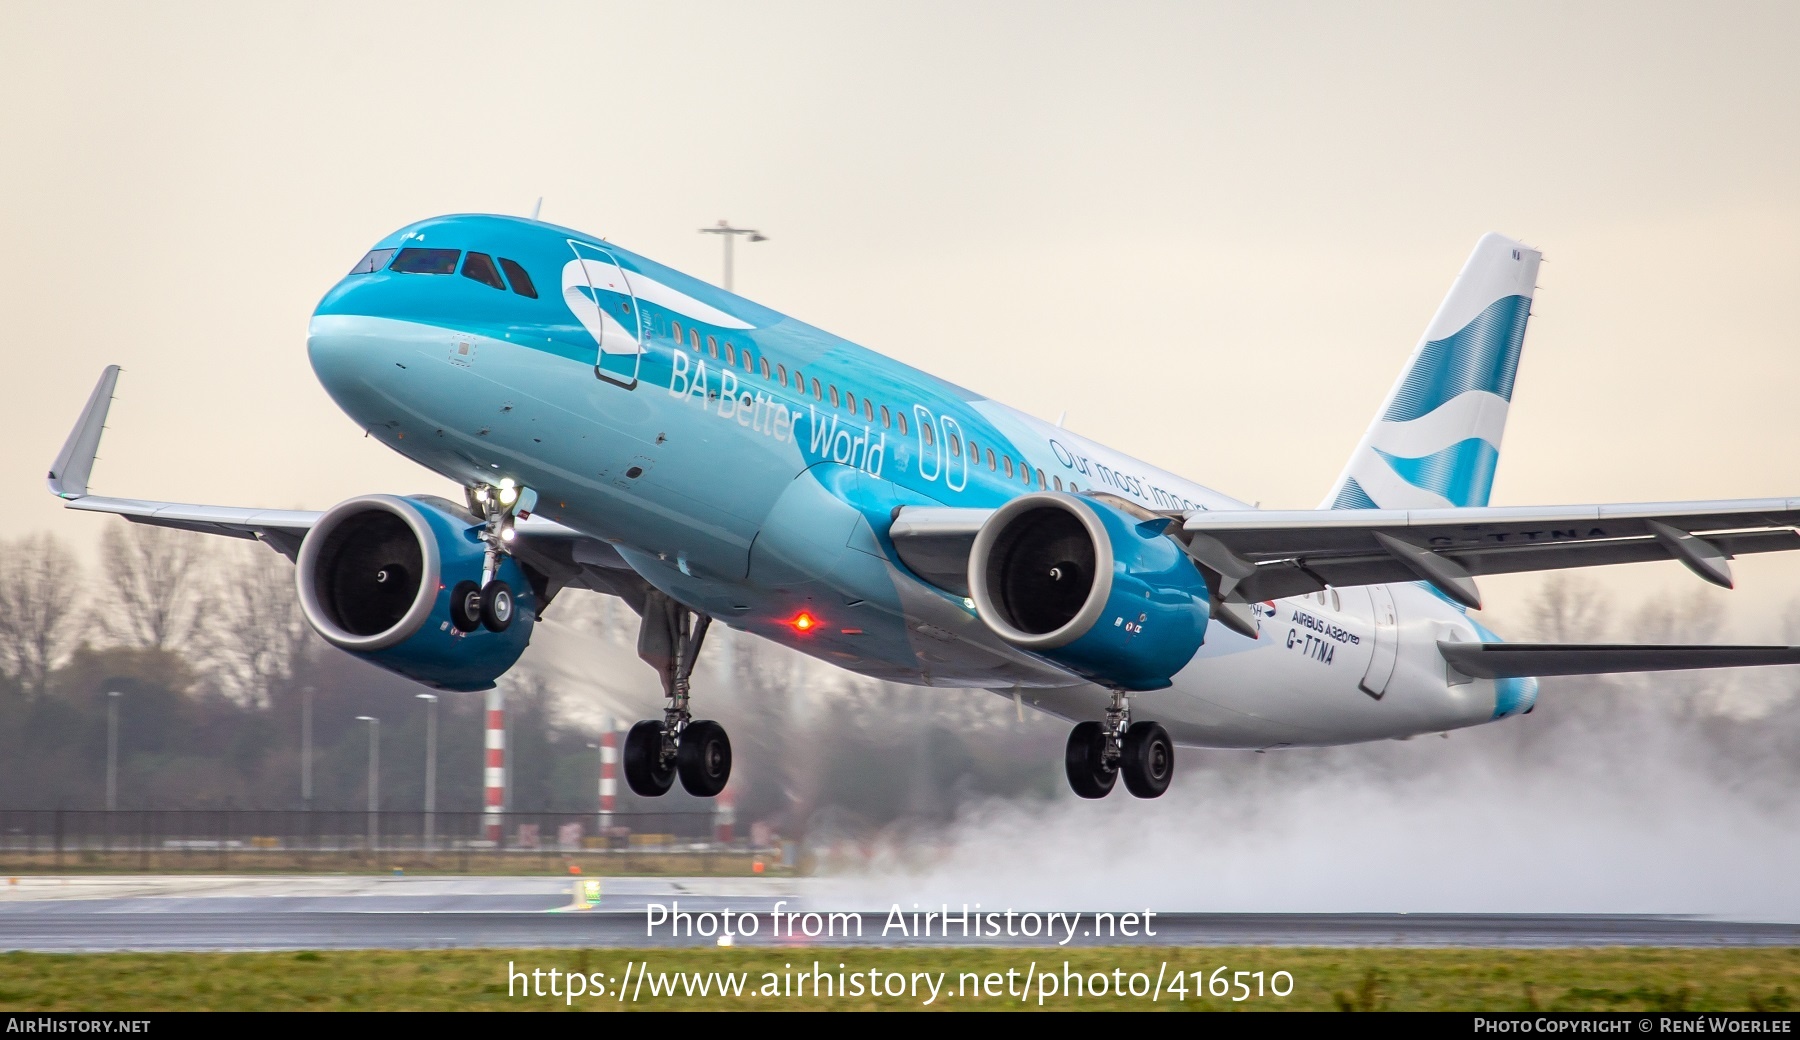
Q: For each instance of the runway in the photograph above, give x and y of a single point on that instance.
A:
(91, 914)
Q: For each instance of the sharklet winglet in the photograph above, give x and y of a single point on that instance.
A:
(68, 477)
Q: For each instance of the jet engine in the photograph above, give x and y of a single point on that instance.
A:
(1090, 587)
(396, 581)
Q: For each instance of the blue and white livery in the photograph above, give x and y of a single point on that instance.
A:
(627, 429)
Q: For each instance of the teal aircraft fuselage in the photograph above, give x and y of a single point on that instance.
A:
(749, 465)
(621, 427)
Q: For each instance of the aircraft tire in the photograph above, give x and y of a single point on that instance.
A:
(644, 772)
(1085, 761)
(497, 605)
(704, 759)
(465, 606)
(1148, 760)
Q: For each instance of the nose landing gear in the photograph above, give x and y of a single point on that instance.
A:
(490, 603)
(659, 750)
(1098, 752)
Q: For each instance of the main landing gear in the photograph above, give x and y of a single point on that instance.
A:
(657, 750)
(1098, 752)
(489, 604)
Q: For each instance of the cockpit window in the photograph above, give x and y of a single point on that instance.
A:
(521, 282)
(480, 267)
(375, 261)
(419, 260)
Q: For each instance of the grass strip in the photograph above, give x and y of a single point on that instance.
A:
(781, 978)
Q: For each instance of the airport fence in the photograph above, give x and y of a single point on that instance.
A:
(236, 840)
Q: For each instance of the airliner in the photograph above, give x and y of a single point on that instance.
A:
(623, 428)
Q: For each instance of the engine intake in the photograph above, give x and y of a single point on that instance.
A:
(373, 575)
(364, 570)
(1089, 587)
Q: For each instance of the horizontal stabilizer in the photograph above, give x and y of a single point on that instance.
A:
(1517, 660)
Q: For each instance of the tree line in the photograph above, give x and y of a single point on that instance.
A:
(203, 640)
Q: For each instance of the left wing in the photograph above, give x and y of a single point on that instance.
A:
(560, 557)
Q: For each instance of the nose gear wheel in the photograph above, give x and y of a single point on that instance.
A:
(490, 604)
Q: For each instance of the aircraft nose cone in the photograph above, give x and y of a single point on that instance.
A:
(346, 339)
(354, 362)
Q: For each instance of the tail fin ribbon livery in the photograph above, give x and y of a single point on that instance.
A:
(1436, 441)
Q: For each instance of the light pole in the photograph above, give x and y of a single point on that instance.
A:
(728, 233)
(306, 698)
(374, 773)
(431, 702)
(112, 749)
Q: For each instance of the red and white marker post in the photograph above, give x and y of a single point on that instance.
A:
(494, 797)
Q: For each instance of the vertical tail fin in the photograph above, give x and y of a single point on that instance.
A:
(1436, 440)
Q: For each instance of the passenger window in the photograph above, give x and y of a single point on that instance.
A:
(834, 395)
(480, 267)
(675, 330)
(1335, 604)
(901, 416)
(955, 445)
(374, 261)
(730, 351)
(765, 367)
(419, 260)
(887, 420)
(521, 282)
(1040, 476)
(930, 438)
(799, 381)
(780, 372)
(749, 366)
(850, 401)
(1008, 461)
(818, 394)
(868, 410)
(990, 455)
(974, 454)
(1058, 481)
(712, 346)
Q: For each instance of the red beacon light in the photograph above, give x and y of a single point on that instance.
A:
(803, 622)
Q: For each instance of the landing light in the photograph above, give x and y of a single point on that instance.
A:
(804, 622)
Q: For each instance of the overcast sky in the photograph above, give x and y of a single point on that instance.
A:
(1210, 232)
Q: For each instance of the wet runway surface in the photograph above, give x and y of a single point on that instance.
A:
(220, 913)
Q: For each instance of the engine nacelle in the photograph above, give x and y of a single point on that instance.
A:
(1090, 587)
(375, 575)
